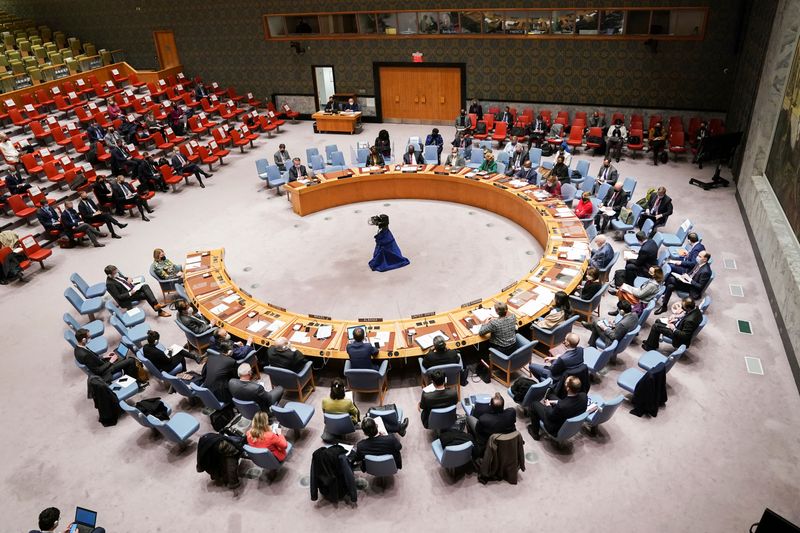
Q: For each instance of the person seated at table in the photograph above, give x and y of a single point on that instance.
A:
(282, 355)
(163, 267)
(336, 403)
(125, 291)
(375, 159)
(15, 183)
(555, 412)
(496, 420)
(247, 390)
(489, 164)
(412, 156)
(537, 130)
(11, 150)
(584, 207)
(455, 159)
(113, 110)
(351, 106)
(463, 121)
(94, 132)
(555, 367)
(375, 444)
(435, 139)
(383, 143)
(559, 313)
(560, 170)
(606, 174)
(502, 331)
(552, 185)
(518, 156)
(298, 171)
(590, 284)
(698, 278)
(192, 320)
(616, 198)
(463, 141)
(441, 355)
(527, 172)
(602, 254)
(439, 397)
(505, 116)
(610, 331)
(177, 120)
(282, 157)
(162, 360)
(260, 435)
(360, 351)
(239, 349)
(331, 105)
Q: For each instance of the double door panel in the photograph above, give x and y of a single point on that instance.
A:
(420, 94)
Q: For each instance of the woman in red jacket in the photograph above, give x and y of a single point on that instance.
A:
(260, 435)
(553, 186)
(584, 207)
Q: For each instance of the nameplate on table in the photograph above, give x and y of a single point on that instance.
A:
(423, 315)
(319, 317)
(279, 308)
(524, 196)
(374, 319)
(507, 287)
(470, 304)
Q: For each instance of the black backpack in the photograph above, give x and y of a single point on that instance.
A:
(153, 406)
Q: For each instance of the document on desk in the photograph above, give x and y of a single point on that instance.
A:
(275, 326)
(381, 337)
(564, 212)
(575, 254)
(484, 314)
(256, 326)
(218, 309)
(230, 299)
(569, 272)
(475, 330)
(136, 287)
(426, 341)
(194, 259)
(324, 332)
(300, 337)
(532, 307)
(544, 294)
(518, 184)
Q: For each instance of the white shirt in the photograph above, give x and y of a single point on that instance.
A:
(509, 149)
(9, 151)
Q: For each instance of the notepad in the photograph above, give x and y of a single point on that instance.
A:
(230, 299)
(484, 314)
(430, 387)
(275, 326)
(324, 332)
(133, 312)
(300, 337)
(518, 184)
(569, 272)
(381, 337)
(475, 330)
(426, 341)
(219, 309)
(629, 255)
(532, 307)
(256, 326)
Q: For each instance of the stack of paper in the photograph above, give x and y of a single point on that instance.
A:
(475, 329)
(532, 307)
(193, 259)
(569, 272)
(564, 212)
(324, 332)
(544, 295)
(275, 326)
(629, 255)
(426, 341)
(484, 314)
(219, 309)
(518, 184)
(230, 299)
(300, 337)
(381, 337)
(256, 326)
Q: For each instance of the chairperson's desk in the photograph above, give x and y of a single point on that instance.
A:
(337, 122)
(562, 236)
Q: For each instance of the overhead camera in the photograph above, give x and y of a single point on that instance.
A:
(382, 221)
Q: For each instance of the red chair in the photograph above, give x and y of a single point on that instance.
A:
(102, 155)
(291, 115)
(35, 195)
(595, 132)
(195, 126)
(653, 120)
(172, 95)
(275, 119)
(635, 146)
(17, 118)
(189, 101)
(616, 116)
(205, 121)
(481, 136)
(59, 137)
(33, 251)
(39, 132)
(238, 140)
(102, 119)
(231, 93)
(218, 151)
(675, 123)
(31, 166)
(80, 146)
(208, 108)
(677, 143)
(6, 251)
(19, 207)
(716, 127)
(170, 178)
(44, 99)
(271, 109)
(63, 105)
(694, 125)
(580, 115)
(134, 80)
(500, 132)
(547, 116)
(172, 137)
(251, 136)
(266, 125)
(473, 121)
(161, 144)
(30, 109)
(117, 77)
(155, 90)
(489, 121)
(206, 157)
(575, 137)
(52, 173)
(189, 153)
(251, 101)
(221, 137)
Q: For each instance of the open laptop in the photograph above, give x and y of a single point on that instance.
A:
(85, 521)
(352, 329)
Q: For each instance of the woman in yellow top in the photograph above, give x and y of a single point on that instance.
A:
(163, 267)
(489, 164)
(337, 403)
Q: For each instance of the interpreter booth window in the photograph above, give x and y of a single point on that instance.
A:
(387, 23)
(429, 23)
(659, 22)
(471, 21)
(303, 25)
(338, 24)
(587, 22)
(541, 22)
(366, 23)
(492, 22)
(449, 22)
(686, 22)
(564, 22)
(638, 22)
(612, 22)
(407, 23)
(277, 26)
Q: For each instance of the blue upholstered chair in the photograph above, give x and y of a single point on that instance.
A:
(501, 168)
(197, 341)
(368, 380)
(684, 294)
(605, 410)
(552, 337)
(604, 272)
(329, 150)
(442, 418)
(96, 328)
(130, 318)
(311, 152)
(265, 459)
(469, 403)
(569, 429)
(596, 360)
(475, 158)
(674, 250)
(361, 156)
(390, 417)
(535, 155)
(207, 397)
(337, 162)
(591, 232)
(137, 334)
(430, 154)
(246, 408)
(293, 415)
(602, 191)
(679, 237)
(629, 185)
(275, 178)
(630, 237)
(651, 358)
(301, 382)
(316, 163)
(137, 415)
(631, 377)
(177, 429)
(581, 166)
(167, 285)
(623, 343)
(704, 304)
(587, 221)
(380, 466)
(452, 374)
(88, 291)
(703, 322)
(338, 425)
(507, 364)
(646, 312)
(181, 291)
(618, 225)
(454, 456)
(502, 157)
(568, 192)
(261, 169)
(83, 307)
(586, 308)
(180, 386)
(534, 393)
(153, 369)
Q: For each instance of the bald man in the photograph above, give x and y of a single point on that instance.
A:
(555, 367)
(603, 254)
(282, 355)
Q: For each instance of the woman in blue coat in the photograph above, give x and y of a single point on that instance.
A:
(387, 255)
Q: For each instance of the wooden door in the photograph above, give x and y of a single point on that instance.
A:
(420, 94)
(167, 51)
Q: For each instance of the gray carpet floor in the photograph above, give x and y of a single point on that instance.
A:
(726, 445)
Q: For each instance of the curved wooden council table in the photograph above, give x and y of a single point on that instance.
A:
(560, 233)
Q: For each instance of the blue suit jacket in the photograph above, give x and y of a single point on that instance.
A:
(567, 361)
(690, 260)
(361, 354)
(602, 256)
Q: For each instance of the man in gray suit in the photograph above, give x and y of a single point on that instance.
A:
(614, 331)
(246, 390)
(454, 160)
(606, 174)
(603, 254)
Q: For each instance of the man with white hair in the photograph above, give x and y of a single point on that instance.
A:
(555, 367)
(245, 389)
(282, 355)
(603, 254)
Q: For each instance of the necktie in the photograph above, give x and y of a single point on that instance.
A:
(614, 198)
(655, 205)
(124, 282)
(605, 174)
(695, 270)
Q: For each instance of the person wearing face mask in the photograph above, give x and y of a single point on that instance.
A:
(454, 160)
(412, 156)
(351, 106)
(163, 267)
(297, 171)
(658, 139)
(462, 121)
(476, 109)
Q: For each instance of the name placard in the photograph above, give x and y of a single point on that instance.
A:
(373, 319)
(423, 315)
(470, 304)
(319, 317)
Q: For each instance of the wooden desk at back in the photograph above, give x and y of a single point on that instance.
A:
(337, 122)
(220, 300)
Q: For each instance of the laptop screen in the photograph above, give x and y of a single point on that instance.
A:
(351, 329)
(85, 517)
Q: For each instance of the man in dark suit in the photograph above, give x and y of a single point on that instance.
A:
(554, 367)
(162, 360)
(361, 352)
(91, 213)
(15, 183)
(413, 156)
(603, 254)
(615, 330)
(249, 391)
(476, 109)
(121, 160)
(688, 258)
(48, 217)
(606, 174)
(71, 223)
(95, 132)
(646, 258)
(555, 412)
(351, 106)
(439, 397)
(527, 172)
(615, 199)
(216, 373)
(375, 444)
(282, 355)
(123, 193)
(682, 332)
(102, 190)
(148, 174)
(659, 208)
(103, 367)
(200, 92)
(297, 171)
(505, 116)
(699, 276)
(497, 420)
(440, 355)
(181, 166)
(125, 291)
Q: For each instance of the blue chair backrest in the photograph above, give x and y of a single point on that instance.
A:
(361, 156)
(431, 152)
(457, 454)
(700, 327)
(262, 457)
(683, 230)
(502, 157)
(273, 173)
(281, 377)
(674, 356)
(536, 392)
(571, 427)
(476, 156)
(74, 298)
(658, 238)
(583, 167)
(380, 465)
(629, 185)
(663, 255)
(337, 159)
(261, 167)
(338, 423)
(646, 311)
(311, 152)
(605, 356)
(627, 339)
(442, 417)
(603, 190)
(180, 386)
(247, 408)
(181, 290)
(330, 149)
(119, 326)
(130, 409)
(647, 227)
(113, 308)
(148, 364)
(568, 191)
(501, 168)
(71, 322)
(605, 411)
(316, 162)
(79, 282)
(704, 304)
(612, 263)
(206, 396)
(286, 417)
(69, 336)
(591, 232)
(535, 155)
